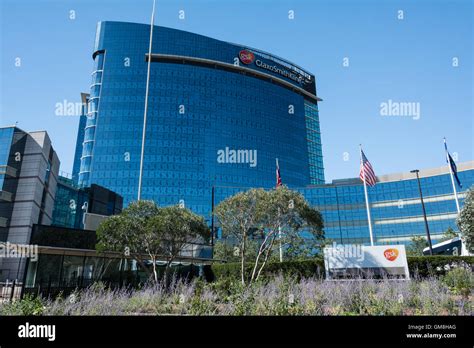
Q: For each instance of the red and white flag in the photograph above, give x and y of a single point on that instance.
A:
(367, 173)
(278, 176)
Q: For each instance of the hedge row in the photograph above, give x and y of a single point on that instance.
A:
(426, 266)
(299, 269)
(422, 266)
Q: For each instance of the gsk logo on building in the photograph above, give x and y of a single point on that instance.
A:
(246, 57)
(391, 254)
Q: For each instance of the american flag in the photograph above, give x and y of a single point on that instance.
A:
(278, 176)
(366, 171)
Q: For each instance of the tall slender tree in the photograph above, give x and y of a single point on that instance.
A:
(465, 220)
(278, 215)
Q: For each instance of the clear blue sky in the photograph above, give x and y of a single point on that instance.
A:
(409, 60)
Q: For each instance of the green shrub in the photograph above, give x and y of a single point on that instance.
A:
(29, 305)
(229, 270)
(460, 281)
(438, 265)
(297, 269)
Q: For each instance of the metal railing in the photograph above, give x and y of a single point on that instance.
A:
(10, 290)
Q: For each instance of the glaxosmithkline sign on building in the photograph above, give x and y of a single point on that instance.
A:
(247, 57)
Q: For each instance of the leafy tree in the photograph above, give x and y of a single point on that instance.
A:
(172, 231)
(305, 247)
(146, 232)
(448, 234)
(141, 209)
(415, 248)
(277, 216)
(227, 250)
(126, 232)
(465, 220)
(238, 216)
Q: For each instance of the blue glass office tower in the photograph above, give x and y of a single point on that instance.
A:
(218, 114)
(209, 98)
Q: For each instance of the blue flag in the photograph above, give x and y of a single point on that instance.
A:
(454, 169)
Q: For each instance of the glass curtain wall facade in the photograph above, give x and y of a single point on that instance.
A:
(12, 146)
(316, 168)
(218, 114)
(88, 133)
(80, 138)
(68, 207)
(394, 202)
(72, 202)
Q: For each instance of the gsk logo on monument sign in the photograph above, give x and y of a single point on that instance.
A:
(391, 254)
(246, 57)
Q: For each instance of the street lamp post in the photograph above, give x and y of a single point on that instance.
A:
(416, 171)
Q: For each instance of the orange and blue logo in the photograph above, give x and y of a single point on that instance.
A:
(391, 254)
(246, 57)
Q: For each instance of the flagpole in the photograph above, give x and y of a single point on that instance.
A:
(279, 226)
(367, 201)
(142, 154)
(452, 177)
(464, 251)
